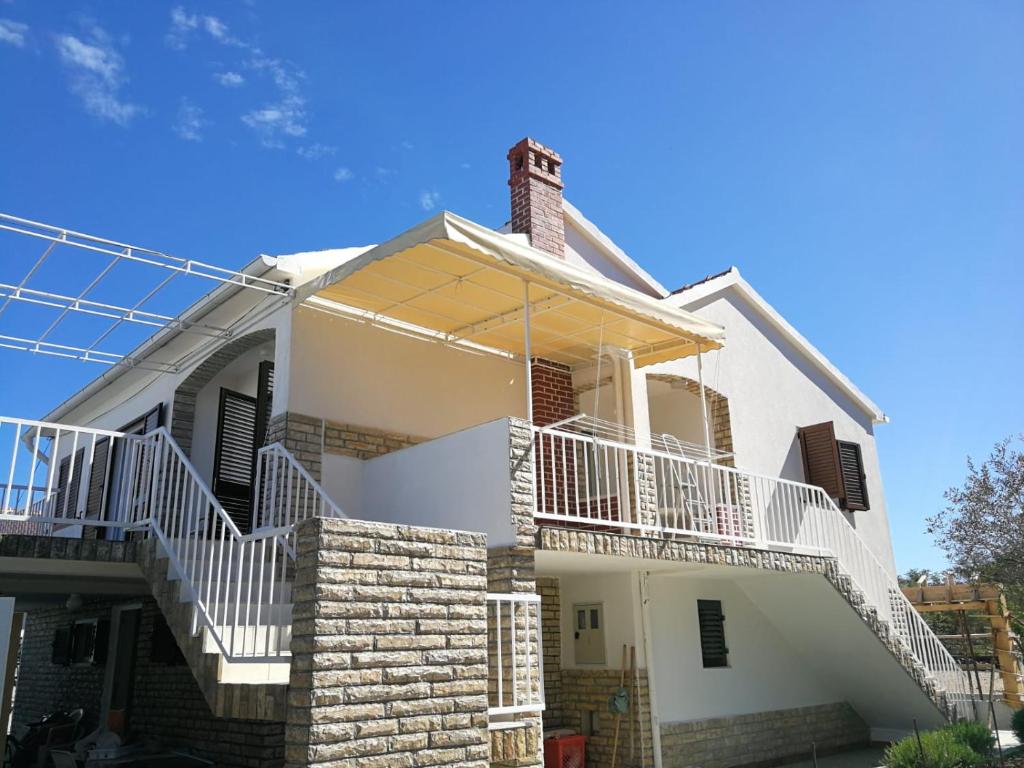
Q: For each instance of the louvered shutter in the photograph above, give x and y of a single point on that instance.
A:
(153, 419)
(69, 483)
(711, 622)
(233, 460)
(97, 479)
(821, 458)
(854, 480)
(264, 401)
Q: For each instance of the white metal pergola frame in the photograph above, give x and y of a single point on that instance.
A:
(167, 268)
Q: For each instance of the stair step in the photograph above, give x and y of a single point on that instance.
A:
(248, 640)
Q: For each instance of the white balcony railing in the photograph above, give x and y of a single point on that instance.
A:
(515, 654)
(588, 481)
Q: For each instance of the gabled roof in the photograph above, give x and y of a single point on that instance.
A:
(731, 279)
(610, 250)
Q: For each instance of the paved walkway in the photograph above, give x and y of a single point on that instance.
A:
(860, 758)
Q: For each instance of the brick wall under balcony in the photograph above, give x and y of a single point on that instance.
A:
(167, 704)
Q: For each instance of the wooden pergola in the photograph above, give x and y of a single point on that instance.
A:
(978, 601)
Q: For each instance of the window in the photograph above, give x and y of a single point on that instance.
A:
(711, 622)
(83, 642)
(836, 466)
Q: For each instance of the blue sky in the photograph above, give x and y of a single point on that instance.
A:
(861, 163)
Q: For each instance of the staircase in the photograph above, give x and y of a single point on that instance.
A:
(226, 596)
(678, 498)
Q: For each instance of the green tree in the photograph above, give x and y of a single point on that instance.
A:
(982, 527)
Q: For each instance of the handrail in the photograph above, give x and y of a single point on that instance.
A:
(280, 475)
(589, 481)
(238, 582)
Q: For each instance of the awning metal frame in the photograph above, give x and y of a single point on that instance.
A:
(168, 268)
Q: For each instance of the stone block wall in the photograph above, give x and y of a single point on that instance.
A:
(389, 664)
(309, 437)
(166, 702)
(762, 737)
(551, 618)
(584, 696)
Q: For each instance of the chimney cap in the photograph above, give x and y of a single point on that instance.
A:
(531, 159)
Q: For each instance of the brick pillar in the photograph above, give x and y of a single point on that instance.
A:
(535, 179)
(389, 647)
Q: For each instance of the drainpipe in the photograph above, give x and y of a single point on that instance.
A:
(652, 696)
(526, 348)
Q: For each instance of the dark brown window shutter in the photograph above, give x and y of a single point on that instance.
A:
(711, 623)
(97, 479)
(821, 458)
(69, 484)
(264, 401)
(854, 480)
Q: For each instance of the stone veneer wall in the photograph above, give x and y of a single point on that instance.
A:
(389, 644)
(551, 618)
(166, 701)
(309, 437)
(762, 737)
(587, 690)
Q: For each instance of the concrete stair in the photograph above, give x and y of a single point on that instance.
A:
(250, 690)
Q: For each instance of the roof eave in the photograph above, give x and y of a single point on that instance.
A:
(732, 278)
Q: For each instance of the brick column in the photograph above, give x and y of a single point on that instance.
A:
(389, 647)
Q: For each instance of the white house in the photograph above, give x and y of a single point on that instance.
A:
(681, 498)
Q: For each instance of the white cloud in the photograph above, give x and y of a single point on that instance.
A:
(343, 174)
(184, 23)
(407, 144)
(382, 173)
(429, 200)
(316, 151)
(465, 166)
(13, 32)
(97, 75)
(181, 24)
(190, 121)
(229, 79)
(284, 117)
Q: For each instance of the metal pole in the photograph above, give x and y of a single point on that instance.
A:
(526, 346)
(703, 404)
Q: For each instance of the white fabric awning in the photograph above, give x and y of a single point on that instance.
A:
(466, 282)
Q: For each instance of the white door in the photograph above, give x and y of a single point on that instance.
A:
(588, 633)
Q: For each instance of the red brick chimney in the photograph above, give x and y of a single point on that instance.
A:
(535, 176)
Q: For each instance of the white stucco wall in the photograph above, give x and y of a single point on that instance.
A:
(676, 412)
(764, 672)
(354, 373)
(772, 390)
(458, 481)
(617, 593)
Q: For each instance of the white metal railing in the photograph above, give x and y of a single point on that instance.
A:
(61, 477)
(286, 493)
(515, 654)
(590, 482)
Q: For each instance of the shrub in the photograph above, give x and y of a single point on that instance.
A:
(1017, 724)
(977, 736)
(942, 749)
